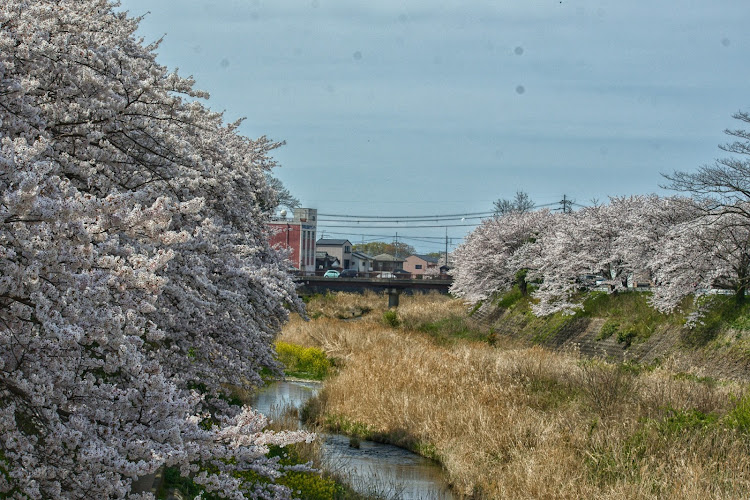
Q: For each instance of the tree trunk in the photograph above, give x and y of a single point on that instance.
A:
(523, 286)
(739, 294)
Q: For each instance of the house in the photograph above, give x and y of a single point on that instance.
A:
(361, 262)
(419, 264)
(340, 249)
(324, 262)
(297, 234)
(386, 262)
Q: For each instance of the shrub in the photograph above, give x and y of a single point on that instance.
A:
(390, 318)
(608, 328)
(303, 362)
(627, 335)
(606, 385)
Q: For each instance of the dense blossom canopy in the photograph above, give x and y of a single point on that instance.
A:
(134, 266)
(680, 246)
(492, 255)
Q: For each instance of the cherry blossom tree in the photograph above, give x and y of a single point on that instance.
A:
(490, 259)
(602, 247)
(134, 266)
(701, 255)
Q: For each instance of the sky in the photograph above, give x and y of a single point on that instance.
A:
(408, 108)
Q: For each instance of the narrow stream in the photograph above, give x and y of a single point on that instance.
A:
(373, 468)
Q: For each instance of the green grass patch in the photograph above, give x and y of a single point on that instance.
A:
(510, 298)
(721, 311)
(739, 417)
(303, 362)
(547, 327)
(628, 316)
(686, 421)
(342, 425)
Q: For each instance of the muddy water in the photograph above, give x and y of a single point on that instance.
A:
(372, 468)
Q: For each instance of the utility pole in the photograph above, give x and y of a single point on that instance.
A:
(567, 205)
(446, 247)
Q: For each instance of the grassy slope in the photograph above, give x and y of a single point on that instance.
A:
(624, 327)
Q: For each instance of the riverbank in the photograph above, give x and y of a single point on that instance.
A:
(511, 421)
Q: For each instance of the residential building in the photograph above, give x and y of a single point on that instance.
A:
(386, 262)
(340, 249)
(324, 262)
(361, 262)
(419, 264)
(297, 234)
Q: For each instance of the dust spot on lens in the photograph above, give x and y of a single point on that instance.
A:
(357, 55)
(726, 42)
(518, 51)
(520, 89)
(224, 63)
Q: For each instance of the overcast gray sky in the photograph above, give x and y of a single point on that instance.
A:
(404, 108)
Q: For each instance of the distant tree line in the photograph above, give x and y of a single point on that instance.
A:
(373, 248)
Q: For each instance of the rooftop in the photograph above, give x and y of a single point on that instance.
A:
(332, 242)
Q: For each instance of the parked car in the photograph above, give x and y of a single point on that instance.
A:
(331, 273)
(348, 273)
(386, 274)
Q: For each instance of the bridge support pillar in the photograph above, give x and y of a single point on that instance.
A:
(393, 295)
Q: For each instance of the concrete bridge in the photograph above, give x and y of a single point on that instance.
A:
(308, 285)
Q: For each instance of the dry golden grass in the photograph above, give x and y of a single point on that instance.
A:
(414, 310)
(346, 305)
(526, 422)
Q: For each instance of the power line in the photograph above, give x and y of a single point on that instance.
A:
(390, 236)
(472, 215)
(417, 218)
(397, 227)
(403, 219)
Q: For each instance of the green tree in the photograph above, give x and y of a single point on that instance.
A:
(520, 204)
(373, 248)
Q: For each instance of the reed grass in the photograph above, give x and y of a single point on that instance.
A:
(519, 422)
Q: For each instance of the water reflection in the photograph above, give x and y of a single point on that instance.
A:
(373, 468)
(385, 470)
(283, 394)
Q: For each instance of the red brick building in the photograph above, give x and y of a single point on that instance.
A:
(297, 234)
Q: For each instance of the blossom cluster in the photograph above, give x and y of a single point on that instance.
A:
(680, 247)
(134, 266)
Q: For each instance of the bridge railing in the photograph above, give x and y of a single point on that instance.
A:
(367, 275)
